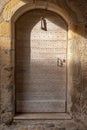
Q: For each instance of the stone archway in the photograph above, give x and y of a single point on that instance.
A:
(75, 30)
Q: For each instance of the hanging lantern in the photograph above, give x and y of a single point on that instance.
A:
(43, 24)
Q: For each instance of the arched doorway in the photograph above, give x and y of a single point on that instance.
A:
(12, 11)
(41, 58)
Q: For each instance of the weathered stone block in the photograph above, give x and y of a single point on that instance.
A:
(5, 29)
(25, 128)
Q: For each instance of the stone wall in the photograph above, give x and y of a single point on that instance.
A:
(75, 14)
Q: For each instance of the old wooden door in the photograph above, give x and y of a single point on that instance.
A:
(41, 69)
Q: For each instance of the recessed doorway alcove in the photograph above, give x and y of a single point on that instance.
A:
(41, 63)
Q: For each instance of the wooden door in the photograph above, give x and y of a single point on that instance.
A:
(41, 79)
